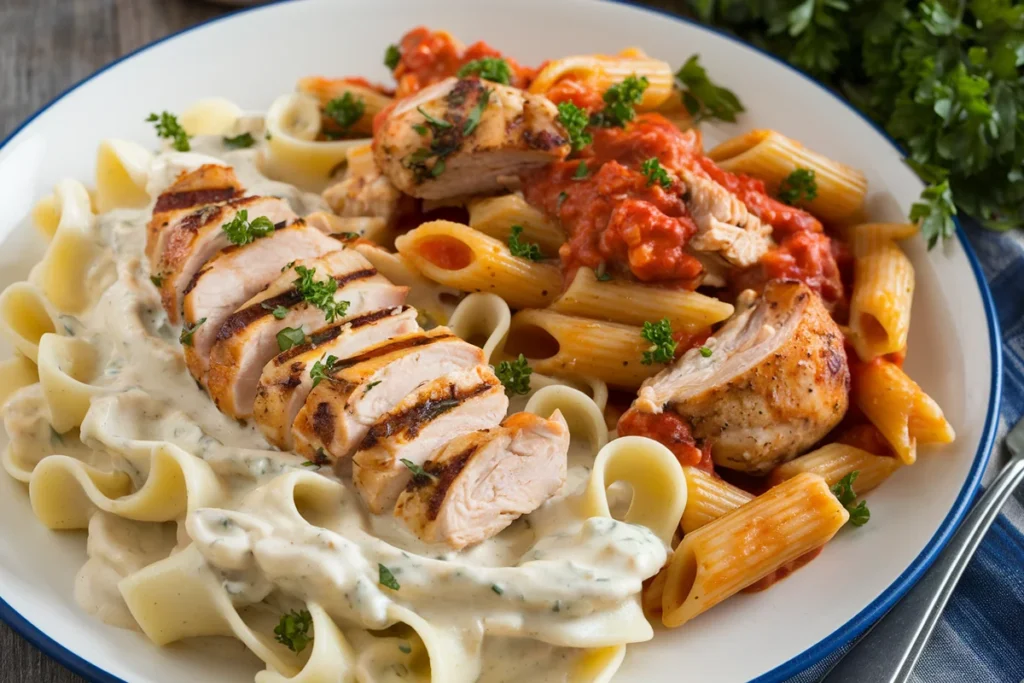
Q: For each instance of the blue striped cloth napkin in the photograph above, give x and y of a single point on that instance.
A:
(981, 635)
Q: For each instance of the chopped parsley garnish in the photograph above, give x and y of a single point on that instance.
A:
(581, 171)
(515, 375)
(798, 187)
(843, 490)
(349, 235)
(320, 457)
(655, 173)
(371, 385)
(322, 368)
(289, 337)
(575, 121)
(242, 231)
(473, 120)
(619, 101)
(279, 312)
(497, 589)
(293, 631)
(156, 280)
(188, 330)
(527, 250)
(167, 126)
(702, 98)
(562, 196)
(320, 293)
(419, 475)
(387, 579)
(405, 648)
(663, 346)
(345, 110)
(489, 68)
(287, 266)
(240, 141)
(436, 123)
(705, 351)
(392, 56)
(602, 273)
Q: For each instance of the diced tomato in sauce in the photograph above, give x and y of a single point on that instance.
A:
(866, 437)
(571, 89)
(669, 429)
(783, 571)
(649, 135)
(808, 257)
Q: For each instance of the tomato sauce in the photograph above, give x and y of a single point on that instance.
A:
(808, 257)
(571, 89)
(672, 431)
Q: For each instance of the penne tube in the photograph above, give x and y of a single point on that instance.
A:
(495, 216)
(883, 289)
(565, 345)
(633, 304)
(708, 499)
(771, 156)
(600, 72)
(327, 89)
(458, 256)
(902, 412)
(725, 556)
(835, 461)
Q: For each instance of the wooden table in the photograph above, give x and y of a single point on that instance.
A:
(45, 47)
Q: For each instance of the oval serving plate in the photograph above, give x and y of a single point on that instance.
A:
(254, 55)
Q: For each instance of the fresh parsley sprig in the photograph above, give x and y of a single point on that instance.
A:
(289, 337)
(493, 69)
(515, 375)
(655, 173)
(473, 120)
(345, 110)
(702, 97)
(392, 56)
(386, 578)
(575, 121)
(188, 330)
(241, 141)
(320, 293)
(322, 368)
(620, 101)
(526, 250)
(663, 346)
(167, 126)
(241, 230)
(799, 187)
(843, 490)
(294, 631)
(419, 475)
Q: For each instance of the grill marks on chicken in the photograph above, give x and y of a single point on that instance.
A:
(385, 390)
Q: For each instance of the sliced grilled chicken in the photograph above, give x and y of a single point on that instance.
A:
(364, 191)
(193, 239)
(248, 339)
(776, 381)
(444, 409)
(342, 408)
(480, 483)
(192, 190)
(724, 225)
(237, 274)
(286, 382)
(478, 137)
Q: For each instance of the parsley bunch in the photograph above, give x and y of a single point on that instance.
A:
(663, 346)
(515, 375)
(943, 78)
(293, 631)
(620, 100)
(320, 293)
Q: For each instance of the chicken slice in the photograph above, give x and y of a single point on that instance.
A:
(775, 383)
(480, 483)
(286, 382)
(724, 225)
(436, 413)
(249, 338)
(193, 239)
(364, 191)
(479, 137)
(237, 274)
(208, 184)
(341, 409)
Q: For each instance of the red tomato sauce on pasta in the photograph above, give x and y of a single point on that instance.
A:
(669, 429)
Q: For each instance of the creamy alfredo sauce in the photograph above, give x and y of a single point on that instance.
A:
(521, 599)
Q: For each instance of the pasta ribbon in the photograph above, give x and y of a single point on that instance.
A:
(483, 320)
(211, 116)
(16, 373)
(63, 273)
(883, 289)
(585, 420)
(67, 368)
(432, 300)
(122, 172)
(25, 317)
(331, 659)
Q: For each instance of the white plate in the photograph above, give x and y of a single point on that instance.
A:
(257, 54)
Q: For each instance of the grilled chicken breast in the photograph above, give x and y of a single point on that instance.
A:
(235, 275)
(444, 409)
(775, 383)
(341, 409)
(724, 225)
(248, 339)
(208, 184)
(285, 382)
(478, 137)
(364, 190)
(481, 482)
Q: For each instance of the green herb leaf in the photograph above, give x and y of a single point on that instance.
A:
(188, 330)
(655, 173)
(934, 212)
(392, 56)
(239, 141)
(241, 231)
(320, 293)
(370, 386)
(515, 375)
(279, 312)
(294, 630)
(473, 120)
(619, 101)
(419, 475)
(289, 337)
(799, 187)
(387, 579)
(345, 110)
(167, 126)
(575, 122)
(405, 648)
(527, 250)
(322, 368)
(602, 273)
(438, 124)
(843, 490)
(703, 98)
(581, 171)
(497, 589)
(562, 196)
(349, 236)
(489, 68)
(157, 281)
(663, 346)
(705, 351)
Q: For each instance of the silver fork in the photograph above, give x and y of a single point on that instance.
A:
(889, 651)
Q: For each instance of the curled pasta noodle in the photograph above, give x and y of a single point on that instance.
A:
(708, 498)
(482, 319)
(883, 289)
(67, 366)
(122, 172)
(600, 72)
(293, 152)
(634, 304)
(327, 89)
(458, 256)
(585, 420)
(65, 492)
(495, 216)
(453, 653)
(331, 658)
(771, 156)
(432, 300)
(211, 116)
(25, 318)
(725, 556)
(63, 273)
(659, 487)
(835, 461)
(16, 373)
(598, 665)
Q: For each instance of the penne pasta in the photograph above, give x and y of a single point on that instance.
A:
(883, 289)
(212, 116)
(771, 156)
(634, 304)
(327, 89)
(557, 344)
(459, 256)
(725, 556)
(600, 72)
(902, 412)
(835, 461)
(708, 498)
(495, 216)
(435, 302)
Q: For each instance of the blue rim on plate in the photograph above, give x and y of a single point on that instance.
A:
(812, 655)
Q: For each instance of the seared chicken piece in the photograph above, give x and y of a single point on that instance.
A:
(208, 184)
(724, 225)
(249, 338)
(286, 382)
(237, 274)
(364, 191)
(480, 135)
(341, 409)
(776, 381)
(193, 239)
(444, 409)
(480, 483)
